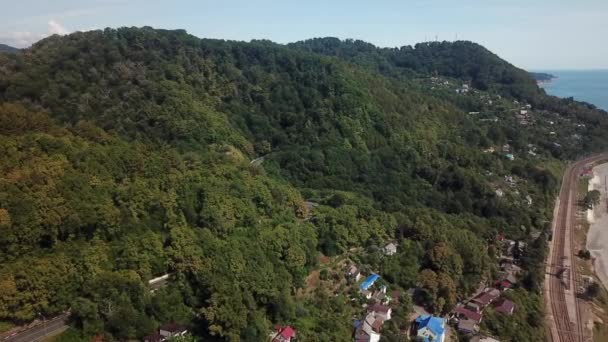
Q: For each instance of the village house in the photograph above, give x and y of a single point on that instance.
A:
(430, 328)
(462, 313)
(504, 306)
(368, 282)
(486, 297)
(167, 331)
(172, 329)
(352, 273)
(507, 281)
(390, 249)
(283, 334)
(380, 311)
(467, 327)
(368, 330)
(379, 296)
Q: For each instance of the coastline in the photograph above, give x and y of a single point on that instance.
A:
(597, 236)
(542, 82)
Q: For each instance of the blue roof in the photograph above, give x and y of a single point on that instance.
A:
(434, 324)
(368, 281)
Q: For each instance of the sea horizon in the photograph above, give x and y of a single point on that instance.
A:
(588, 85)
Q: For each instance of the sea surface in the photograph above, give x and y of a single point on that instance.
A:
(583, 85)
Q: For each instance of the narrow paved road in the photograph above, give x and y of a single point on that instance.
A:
(39, 332)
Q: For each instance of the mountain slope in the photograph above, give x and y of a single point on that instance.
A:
(129, 156)
(8, 49)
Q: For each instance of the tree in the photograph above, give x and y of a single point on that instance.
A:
(592, 198)
(593, 290)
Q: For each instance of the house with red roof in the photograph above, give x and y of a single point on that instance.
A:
(507, 281)
(504, 306)
(283, 334)
(462, 313)
(486, 297)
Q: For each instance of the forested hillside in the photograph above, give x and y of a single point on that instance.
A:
(8, 49)
(127, 156)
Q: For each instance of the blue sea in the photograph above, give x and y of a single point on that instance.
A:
(586, 85)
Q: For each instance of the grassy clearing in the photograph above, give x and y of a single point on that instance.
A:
(5, 326)
(70, 335)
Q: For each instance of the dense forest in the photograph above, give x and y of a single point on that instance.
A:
(127, 155)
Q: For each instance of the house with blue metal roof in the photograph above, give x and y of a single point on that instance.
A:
(369, 281)
(430, 328)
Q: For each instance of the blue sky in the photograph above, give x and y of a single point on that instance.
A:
(532, 34)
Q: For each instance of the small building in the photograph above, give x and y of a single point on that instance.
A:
(461, 313)
(467, 326)
(390, 249)
(499, 192)
(380, 311)
(172, 330)
(368, 330)
(353, 273)
(283, 334)
(380, 296)
(430, 328)
(485, 298)
(504, 306)
(368, 282)
(507, 281)
(510, 156)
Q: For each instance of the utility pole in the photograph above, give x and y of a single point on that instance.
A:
(43, 323)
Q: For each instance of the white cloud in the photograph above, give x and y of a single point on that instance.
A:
(23, 39)
(56, 28)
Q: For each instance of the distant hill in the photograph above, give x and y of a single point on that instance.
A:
(9, 49)
(542, 76)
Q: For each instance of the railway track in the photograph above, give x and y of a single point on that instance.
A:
(566, 328)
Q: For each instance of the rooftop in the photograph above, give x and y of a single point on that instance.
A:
(369, 281)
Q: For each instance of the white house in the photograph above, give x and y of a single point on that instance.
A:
(390, 249)
(380, 311)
